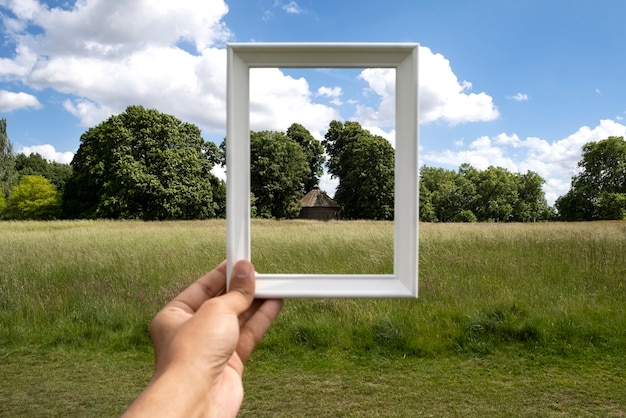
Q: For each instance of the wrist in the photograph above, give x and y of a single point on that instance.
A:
(173, 392)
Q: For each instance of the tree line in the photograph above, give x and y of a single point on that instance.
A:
(143, 164)
(470, 195)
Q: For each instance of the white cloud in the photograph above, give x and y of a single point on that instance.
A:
(556, 162)
(48, 152)
(88, 112)
(381, 81)
(11, 101)
(519, 97)
(114, 27)
(333, 93)
(277, 101)
(442, 97)
(292, 8)
(107, 55)
(20, 66)
(219, 172)
(110, 54)
(329, 91)
(329, 184)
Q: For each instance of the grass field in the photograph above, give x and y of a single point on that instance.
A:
(512, 319)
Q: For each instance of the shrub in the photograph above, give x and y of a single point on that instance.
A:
(33, 198)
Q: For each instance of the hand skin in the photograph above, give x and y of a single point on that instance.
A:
(201, 340)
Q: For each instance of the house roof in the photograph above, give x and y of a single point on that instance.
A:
(318, 198)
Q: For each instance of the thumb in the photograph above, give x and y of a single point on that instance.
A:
(241, 290)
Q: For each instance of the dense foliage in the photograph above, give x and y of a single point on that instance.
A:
(277, 165)
(313, 152)
(143, 164)
(35, 164)
(8, 174)
(599, 190)
(364, 165)
(147, 165)
(33, 198)
(468, 195)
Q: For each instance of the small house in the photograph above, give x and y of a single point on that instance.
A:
(316, 204)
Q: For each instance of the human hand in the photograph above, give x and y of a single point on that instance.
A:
(201, 340)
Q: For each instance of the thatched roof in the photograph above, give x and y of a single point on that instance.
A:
(318, 198)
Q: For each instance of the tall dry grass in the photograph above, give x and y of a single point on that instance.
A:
(554, 288)
(512, 320)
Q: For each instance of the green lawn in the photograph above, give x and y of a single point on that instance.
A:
(512, 319)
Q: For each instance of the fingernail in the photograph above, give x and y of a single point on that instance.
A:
(242, 270)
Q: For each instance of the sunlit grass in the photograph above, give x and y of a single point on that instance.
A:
(348, 247)
(536, 294)
(97, 282)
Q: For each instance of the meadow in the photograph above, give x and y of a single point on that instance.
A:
(511, 320)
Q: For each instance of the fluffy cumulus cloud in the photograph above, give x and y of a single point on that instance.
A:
(277, 101)
(48, 152)
(108, 54)
(442, 96)
(11, 101)
(555, 161)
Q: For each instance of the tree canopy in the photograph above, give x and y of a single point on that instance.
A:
(8, 174)
(33, 198)
(35, 164)
(277, 166)
(364, 165)
(313, 152)
(599, 190)
(494, 194)
(144, 164)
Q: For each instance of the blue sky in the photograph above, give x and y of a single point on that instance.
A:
(517, 84)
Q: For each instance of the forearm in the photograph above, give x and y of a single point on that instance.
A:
(171, 394)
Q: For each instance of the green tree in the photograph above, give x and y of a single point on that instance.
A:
(496, 193)
(143, 164)
(426, 209)
(27, 165)
(2, 205)
(313, 152)
(277, 167)
(34, 163)
(8, 174)
(449, 194)
(611, 205)
(34, 198)
(470, 195)
(364, 164)
(531, 204)
(599, 190)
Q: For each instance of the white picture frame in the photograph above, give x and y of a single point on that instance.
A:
(400, 56)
